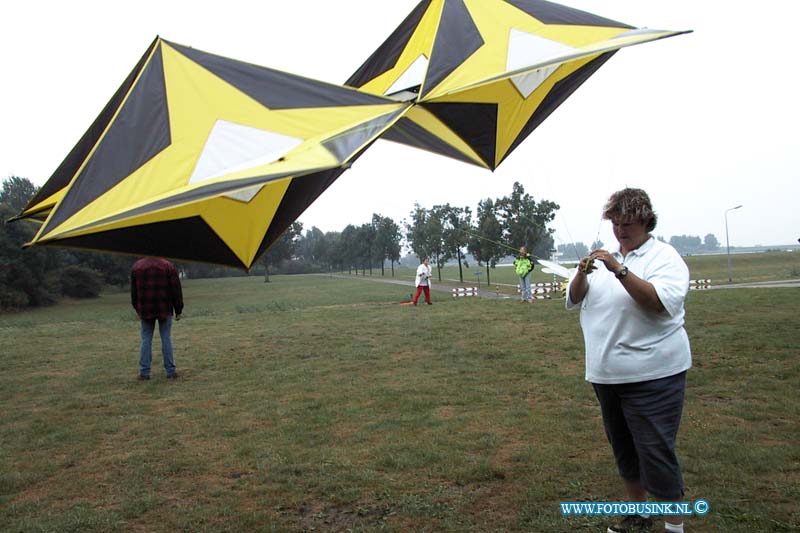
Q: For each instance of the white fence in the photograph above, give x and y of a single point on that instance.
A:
(465, 291)
(699, 284)
(547, 290)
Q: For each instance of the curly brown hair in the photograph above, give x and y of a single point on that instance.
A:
(631, 204)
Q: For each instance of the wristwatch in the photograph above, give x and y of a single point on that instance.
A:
(622, 273)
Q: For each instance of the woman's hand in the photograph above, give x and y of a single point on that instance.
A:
(643, 292)
(586, 265)
(607, 258)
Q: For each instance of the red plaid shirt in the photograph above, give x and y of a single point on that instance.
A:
(155, 288)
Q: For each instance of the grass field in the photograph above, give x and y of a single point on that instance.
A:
(745, 268)
(315, 403)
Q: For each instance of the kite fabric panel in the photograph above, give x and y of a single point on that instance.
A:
(205, 158)
(493, 70)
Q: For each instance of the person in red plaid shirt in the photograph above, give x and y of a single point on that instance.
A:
(155, 294)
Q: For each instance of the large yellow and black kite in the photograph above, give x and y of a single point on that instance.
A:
(201, 157)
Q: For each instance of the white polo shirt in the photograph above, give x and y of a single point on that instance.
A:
(626, 343)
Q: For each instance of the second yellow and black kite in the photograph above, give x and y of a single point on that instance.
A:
(485, 73)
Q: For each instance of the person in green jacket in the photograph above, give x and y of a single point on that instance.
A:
(524, 268)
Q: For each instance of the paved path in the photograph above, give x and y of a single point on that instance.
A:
(759, 284)
(482, 292)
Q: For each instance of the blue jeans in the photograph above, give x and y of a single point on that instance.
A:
(525, 287)
(148, 326)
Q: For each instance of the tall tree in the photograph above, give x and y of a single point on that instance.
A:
(334, 251)
(310, 245)
(347, 250)
(416, 231)
(425, 234)
(366, 247)
(485, 239)
(22, 273)
(710, 242)
(457, 222)
(282, 249)
(387, 240)
(573, 250)
(394, 241)
(16, 193)
(686, 244)
(525, 221)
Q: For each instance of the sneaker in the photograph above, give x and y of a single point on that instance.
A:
(631, 524)
(174, 375)
(142, 377)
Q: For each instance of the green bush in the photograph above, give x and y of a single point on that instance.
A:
(297, 267)
(12, 298)
(52, 281)
(39, 297)
(77, 281)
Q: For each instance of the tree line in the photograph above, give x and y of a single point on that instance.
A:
(442, 233)
(40, 275)
(684, 244)
(365, 246)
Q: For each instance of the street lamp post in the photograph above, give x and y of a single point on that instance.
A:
(728, 243)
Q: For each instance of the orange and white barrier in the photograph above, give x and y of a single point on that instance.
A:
(465, 291)
(547, 290)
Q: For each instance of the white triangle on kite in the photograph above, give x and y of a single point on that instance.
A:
(245, 195)
(412, 77)
(233, 147)
(525, 49)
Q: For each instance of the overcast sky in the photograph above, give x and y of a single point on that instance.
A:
(703, 122)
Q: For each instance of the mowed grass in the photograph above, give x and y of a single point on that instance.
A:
(319, 403)
(745, 268)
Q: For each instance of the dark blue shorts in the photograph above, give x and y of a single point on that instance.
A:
(641, 422)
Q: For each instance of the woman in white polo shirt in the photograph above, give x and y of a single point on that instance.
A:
(637, 351)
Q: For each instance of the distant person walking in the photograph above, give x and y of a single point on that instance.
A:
(524, 268)
(637, 351)
(155, 294)
(423, 281)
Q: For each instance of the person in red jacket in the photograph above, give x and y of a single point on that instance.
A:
(155, 294)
